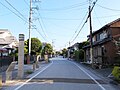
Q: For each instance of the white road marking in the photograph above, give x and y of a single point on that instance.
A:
(89, 76)
(33, 77)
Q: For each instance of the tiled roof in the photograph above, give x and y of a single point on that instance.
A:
(107, 25)
(6, 37)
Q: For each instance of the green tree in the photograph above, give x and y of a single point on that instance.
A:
(82, 44)
(36, 46)
(25, 48)
(79, 54)
(64, 52)
(48, 49)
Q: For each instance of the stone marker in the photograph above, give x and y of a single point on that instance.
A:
(21, 56)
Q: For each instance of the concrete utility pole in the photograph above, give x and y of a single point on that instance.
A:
(91, 41)
(30, 22)
(30, 25)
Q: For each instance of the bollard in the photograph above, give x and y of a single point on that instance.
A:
(37, 64)
(46, 58)
(4, 77)
(0, 81)
(34, 66)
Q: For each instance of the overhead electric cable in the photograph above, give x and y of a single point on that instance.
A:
(79, 26)
(14, 12)
(41, 24)
(85, 21)
(108, 8)
(108, 16)
(41, 27)
(41, 34)
(60, 18)
(15, 9)
(98, 19)
(66, 8)
(26, 3)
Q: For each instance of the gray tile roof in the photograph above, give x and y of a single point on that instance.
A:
(6, 37)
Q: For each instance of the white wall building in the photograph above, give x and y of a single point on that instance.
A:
(7, 41)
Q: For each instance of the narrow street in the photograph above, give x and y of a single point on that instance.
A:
(62, 74)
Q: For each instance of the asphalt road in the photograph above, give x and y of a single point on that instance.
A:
(62, 74)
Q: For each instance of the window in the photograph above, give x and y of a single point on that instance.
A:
(101, 36)
(98, 37)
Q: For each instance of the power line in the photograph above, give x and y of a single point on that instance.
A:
(79, 26)
(107, 8)
(26, 3)
(78, 32)
(98, 19)
(19, 16)
(14, 13)
(60, 18)
(108, 16)
(41, 24)
(15, 9)
(85, 21)
(42, 27)
(41, 34)
(68, 7)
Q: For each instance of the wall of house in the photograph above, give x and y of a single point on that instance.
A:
(116, 24)
(87, 55)
(115, 31)
(110, 52)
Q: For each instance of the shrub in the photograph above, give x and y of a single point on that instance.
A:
(116, 73)
(29, 72)
(79, 55)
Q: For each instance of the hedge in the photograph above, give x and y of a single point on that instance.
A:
(116, 73)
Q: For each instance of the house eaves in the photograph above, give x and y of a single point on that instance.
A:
(98, 43)
(105, 27)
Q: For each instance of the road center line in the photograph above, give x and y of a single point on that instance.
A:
(33, 76)
(89, 76)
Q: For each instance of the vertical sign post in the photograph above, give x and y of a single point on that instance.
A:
(21, 56)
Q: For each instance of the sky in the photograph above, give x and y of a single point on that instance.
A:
(56, 21)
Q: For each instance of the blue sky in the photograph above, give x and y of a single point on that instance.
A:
(61, 20)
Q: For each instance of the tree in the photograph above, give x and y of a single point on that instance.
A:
(36, 46)
(79, 54)
(48, 49)
(64, 52)
(82, 44)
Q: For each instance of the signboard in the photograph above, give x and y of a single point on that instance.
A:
(21, 37)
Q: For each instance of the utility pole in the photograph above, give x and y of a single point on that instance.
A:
(30, 22)
(69, 52)
(91, 41)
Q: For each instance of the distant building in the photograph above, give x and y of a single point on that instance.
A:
(7, 41)
(104, 48)
(73, 48)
